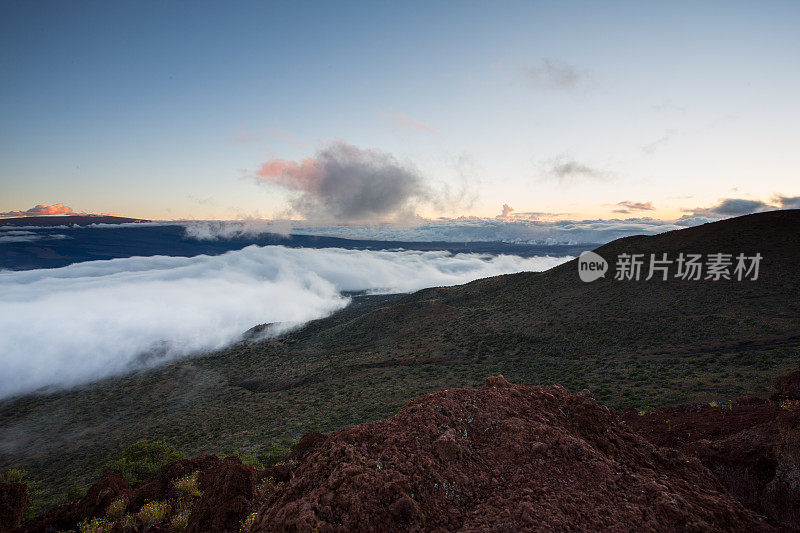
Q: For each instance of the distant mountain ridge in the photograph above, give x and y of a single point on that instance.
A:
(68, 220)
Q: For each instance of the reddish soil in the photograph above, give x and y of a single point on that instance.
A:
(752, 446)
(502, 457)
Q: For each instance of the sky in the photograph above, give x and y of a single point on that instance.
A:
(345, 112)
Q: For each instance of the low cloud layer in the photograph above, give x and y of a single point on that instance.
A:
(16, 235)
(526, 231)
(521, 228)
(66, 326)
(344, 183)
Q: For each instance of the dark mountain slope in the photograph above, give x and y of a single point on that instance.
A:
(634, 344)
(68, 220)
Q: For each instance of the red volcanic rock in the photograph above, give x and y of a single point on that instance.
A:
(787, 387)
(94, 504)
(13, 504)
(503, 457)
(227, 490)
(752, 446)
(781, 498)
(100, 495)
(308, 444)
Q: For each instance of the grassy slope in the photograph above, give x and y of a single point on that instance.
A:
(638, 344)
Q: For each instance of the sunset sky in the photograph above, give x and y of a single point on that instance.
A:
(170, 110)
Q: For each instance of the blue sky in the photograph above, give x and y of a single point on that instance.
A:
(168, 109)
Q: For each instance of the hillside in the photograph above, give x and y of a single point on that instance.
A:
(637, 344)
(501, 457)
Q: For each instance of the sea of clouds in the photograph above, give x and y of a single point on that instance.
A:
(537, 232)
(66, 326)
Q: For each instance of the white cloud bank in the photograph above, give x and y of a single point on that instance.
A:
(66, 326)
(535, 232)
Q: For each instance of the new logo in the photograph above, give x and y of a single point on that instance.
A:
(591, 266)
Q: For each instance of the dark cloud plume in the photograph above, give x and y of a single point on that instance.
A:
(344, 183)
(788, 202)
(731, 207)
(566, 169)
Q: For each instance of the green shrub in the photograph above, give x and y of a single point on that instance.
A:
(95, 525)
(153, 512)
(188, 484)
(248, 459)
(277, 453)
(17, 475)
(143, 459)
(117, 508)
(180, 521)
(248, 522)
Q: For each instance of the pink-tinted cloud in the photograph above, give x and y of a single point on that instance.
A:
(345, 183)
(42, 210)
(403, 120)
(303, 176)
(507, 209)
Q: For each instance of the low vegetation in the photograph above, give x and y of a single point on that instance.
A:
(142, 459)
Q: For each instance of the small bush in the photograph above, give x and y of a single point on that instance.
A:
(248, 522)
(143, 459)
(17, 475)
(789, 404)
(128, 523)
(248, 459)
(188, 484)
(153, 512)
(117, 508)
(180, 521)
(277, 453)
(95, 525)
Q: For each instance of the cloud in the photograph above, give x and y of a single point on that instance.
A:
(628, 206)
(401, 119)
(213, 230)
(552, 74)
(16, 235)
(788, 202)
(66, 326)
(507, 209)
(512, 230)
(519, 228)
(42, 210)
(344, 183)
(566, 169)
(730, 207)
(650, 148)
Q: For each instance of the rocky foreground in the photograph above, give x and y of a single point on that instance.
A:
(502, 457)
